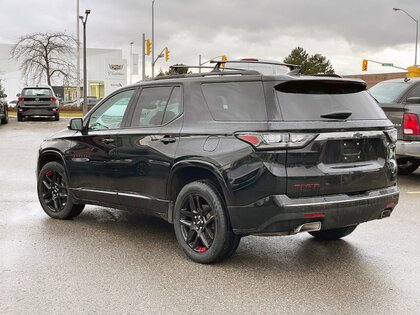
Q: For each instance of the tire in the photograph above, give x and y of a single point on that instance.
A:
(407, 166)
(57, 117)
(5, 119)
(201, 224)
(19, 117)
(52, 181)
(333, 234)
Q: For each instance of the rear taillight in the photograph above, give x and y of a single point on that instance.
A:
(411, 124)
(54, 99)
(268, 141)
(20, 100)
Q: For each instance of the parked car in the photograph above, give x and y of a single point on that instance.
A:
(400, 100)
(37, 101)
(223, 155)
(12, 103)
(91, 101)
(4, 110)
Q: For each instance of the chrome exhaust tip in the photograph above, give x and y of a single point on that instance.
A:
(385, 214)
(308, 227)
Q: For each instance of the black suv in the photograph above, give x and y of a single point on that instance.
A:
(223, 155)
(37, 101)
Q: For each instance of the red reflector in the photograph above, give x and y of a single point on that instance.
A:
(313, 215)
(411, 124)
(254, 140)
(390, 204)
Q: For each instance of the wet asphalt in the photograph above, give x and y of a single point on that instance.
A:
(109, 261)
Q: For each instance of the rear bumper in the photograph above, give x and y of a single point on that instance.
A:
(31, 111)
(408, 148)
(281, 214)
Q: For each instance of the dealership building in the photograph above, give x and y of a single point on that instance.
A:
(106, 72)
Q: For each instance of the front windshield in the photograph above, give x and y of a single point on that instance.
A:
(388, 92)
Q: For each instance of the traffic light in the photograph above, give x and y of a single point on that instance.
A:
(364, 65)
(148, 47)
(224, 58)
(167, 54)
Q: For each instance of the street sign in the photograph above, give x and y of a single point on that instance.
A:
(387, 65)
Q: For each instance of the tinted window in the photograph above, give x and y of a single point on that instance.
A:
(36, 92)
(157, 106)
(388, 92)
(110, 114)
(415, 92)
(236, 101)
(308, 100)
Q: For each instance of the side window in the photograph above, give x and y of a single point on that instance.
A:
(174, 107)
(110, 114)
(235, 101)
(157, 106)
(414, 92)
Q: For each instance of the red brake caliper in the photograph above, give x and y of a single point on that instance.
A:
(202, 249)
(49, 173)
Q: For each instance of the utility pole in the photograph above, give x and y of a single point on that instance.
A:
(153, 38)
(84, 21)
(131, 62)
(78, 56)
(199, 63)
(143, 57)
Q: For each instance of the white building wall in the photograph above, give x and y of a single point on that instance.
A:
(98, 61)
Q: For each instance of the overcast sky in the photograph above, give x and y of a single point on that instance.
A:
(344, 31)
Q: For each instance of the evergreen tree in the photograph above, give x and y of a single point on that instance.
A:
(313, 64)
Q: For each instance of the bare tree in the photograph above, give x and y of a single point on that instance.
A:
(46, 55)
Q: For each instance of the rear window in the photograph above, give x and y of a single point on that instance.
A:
(36, 92)
(308, 100)
(235, 101)
(388, 92)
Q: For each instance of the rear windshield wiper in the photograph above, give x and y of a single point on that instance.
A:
(337, 115)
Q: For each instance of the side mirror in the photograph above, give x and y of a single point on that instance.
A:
(413, 100)
(17, 95)
(76, 124)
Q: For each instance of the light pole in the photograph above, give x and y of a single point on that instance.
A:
(131, 62)
(84, 21)
(417, 31)
(78, 56)
(153, 39)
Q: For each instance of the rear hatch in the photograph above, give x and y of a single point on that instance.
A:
(37, 97)
(339, 138)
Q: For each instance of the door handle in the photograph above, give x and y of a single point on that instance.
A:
(167, 139)
(108, 140)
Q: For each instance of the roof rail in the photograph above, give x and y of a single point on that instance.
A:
(206, 74)
(219, 63)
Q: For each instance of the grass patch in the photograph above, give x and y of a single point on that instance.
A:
(71, 114)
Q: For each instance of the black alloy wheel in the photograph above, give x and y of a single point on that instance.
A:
(198, 224)
(53, 193)
(201, 223)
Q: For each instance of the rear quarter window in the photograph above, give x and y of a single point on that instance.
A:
(309, 99)
(235, 101)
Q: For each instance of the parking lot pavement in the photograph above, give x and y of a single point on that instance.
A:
(109, 261)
